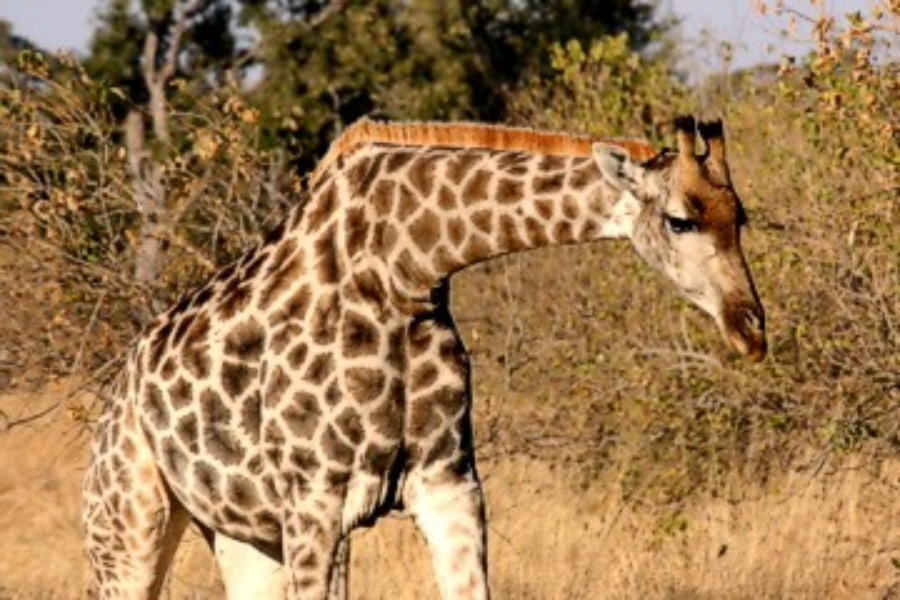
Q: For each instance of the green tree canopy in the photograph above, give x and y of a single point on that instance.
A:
(312, 66)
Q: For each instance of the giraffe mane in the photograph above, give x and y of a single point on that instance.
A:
(472, 135)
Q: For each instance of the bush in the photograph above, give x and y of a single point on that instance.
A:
(70, 184)
(647, 395)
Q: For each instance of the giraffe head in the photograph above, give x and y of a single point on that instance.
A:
(685, 220)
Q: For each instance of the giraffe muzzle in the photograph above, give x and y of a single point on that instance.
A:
(745, 329)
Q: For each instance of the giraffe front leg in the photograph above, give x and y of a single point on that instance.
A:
(340, 573)
(311, 537)
(449, 511)
(442, 489)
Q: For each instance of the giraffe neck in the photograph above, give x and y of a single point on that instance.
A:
(424, 203)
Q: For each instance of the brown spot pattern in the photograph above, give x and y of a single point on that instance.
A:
(476, 188)
(460, 165)
(446, 199)
(297, 355)
(155, 407)
(357, 230)
(285, 251)
(335, 448)
(398, 159)
(169, 368)
(426, 230)
(378, 459)
(279, 382)
(364, 385)
(421, 175)
(241, 492)
(548, 184)
(386, 417)
(359, 335)
(456, 230)
(323, 325)
(173, 459)
(483, 220)
(562, 233)
(302, 415)
(305, 460)
(509, 238)
(236, 378)
(223, 445)
(537, 234)
(477, 248)
(319, 369)
(235, 297)
(328, 267)
(321, 209)
(512, 161)
(251, 417)
(509, 191)
(584, 176)
(294, 309)
(181, 393)
(383, 196)
(570, 207)
(544, 209)
(443, 448)
(367, 287)
(363, 174)
(187, 430)
(207, 481)
(350, 424)
(281, 280)
(407, 205)
(246, 341)
(158, 346)
(553, 163)
(424, 376)
(444, 260)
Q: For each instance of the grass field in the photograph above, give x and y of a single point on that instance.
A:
(821, 532)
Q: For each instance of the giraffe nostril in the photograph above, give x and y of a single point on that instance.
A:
(754, 320)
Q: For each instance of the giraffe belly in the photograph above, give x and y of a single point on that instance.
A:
(239, 500)
(246, 500)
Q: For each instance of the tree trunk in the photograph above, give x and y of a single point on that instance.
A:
(150, 198)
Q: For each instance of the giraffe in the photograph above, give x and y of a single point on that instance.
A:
(319, 382)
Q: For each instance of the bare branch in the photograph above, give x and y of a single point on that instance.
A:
(325, 14)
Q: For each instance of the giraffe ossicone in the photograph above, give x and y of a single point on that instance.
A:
(319, 382)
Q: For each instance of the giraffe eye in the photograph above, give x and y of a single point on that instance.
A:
(679, 226)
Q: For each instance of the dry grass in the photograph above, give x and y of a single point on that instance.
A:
(829, 532)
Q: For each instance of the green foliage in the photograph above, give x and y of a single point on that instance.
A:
(206, 52)
(56, 148)
(67, 178)
(375, 59)
(604, 89)
(639, 376)
(115, 51)
(846, 96)
(312, 67)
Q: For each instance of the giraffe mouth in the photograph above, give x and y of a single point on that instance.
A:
(745, 330)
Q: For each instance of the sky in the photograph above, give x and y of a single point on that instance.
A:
(66, 24)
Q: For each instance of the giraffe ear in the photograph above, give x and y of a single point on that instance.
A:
(616, 166)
